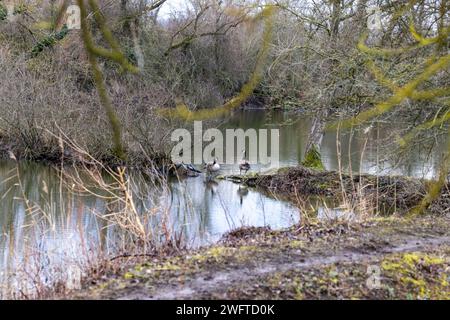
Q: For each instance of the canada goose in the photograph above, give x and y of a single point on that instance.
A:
(244, 165)
(212, 167)
(190, 167)
(186, 170)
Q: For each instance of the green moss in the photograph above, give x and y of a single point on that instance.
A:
(168, 266)
(323, 186)
(313, 159)
(20, 9)
(248, 248)
(49, 41)
(213, 254)
(298, 289)
(296, 244)
(130, 55)
(3, 12)
(278, 171)
(422, 275)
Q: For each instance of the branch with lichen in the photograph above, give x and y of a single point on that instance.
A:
(182, 111)
(410, 90)
(114, 54)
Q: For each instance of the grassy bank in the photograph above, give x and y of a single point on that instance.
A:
(315, 261)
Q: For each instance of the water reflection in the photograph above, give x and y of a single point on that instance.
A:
(373, 151)
(207, 209)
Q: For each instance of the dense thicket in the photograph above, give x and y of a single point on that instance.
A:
(202, 55)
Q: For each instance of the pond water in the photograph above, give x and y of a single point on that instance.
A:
(54, 228)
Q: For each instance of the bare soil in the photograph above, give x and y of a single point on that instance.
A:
(382, 258)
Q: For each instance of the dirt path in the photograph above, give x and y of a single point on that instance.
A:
(225, 279)
(317, 261)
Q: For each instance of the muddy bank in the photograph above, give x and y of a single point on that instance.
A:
(53, 155)
(391, 193)
(314, 261)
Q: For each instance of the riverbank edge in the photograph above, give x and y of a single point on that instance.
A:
(384, 193)
(318, 260)
(135, 161)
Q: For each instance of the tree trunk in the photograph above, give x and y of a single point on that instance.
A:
(361, 18)
(312, 157)
(335, 18)
(125, 14)
(134, 28)
(443, 10)
(312, 153)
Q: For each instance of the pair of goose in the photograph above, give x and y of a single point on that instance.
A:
(213, 166)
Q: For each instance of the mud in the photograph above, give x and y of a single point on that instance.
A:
(315, 261)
